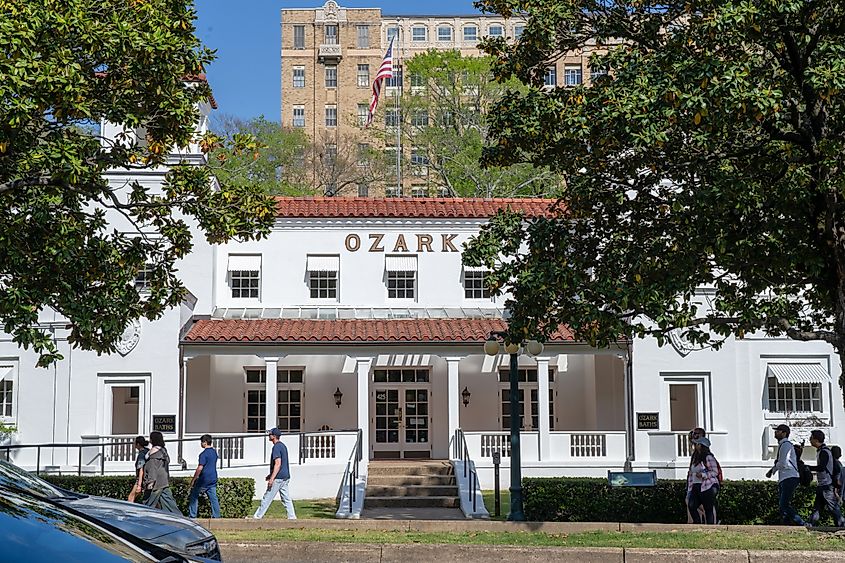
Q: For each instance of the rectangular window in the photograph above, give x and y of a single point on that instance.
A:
(419, 191)
(395, 81)
(474, 284)
(392, 117)
(6, 395)
(572, 74)
(794, 397)
(244, 275)
(289, 394)
(392, 191)
(419, 162)
(363, 34)
(142, 279)
(331, 34)
(298, 116)
(596, 73)
(363, 113)
(299, 37)
(419, 118)
(517, 31)
(444, 33)
(528, 381)
(401, 276)
(551, 77)
(417, 83)
(331, 76)
(404, 375)
(363, 76)
(299, 77)
(363, 190)
(331, 115)
(363, 156)
(392, 32)
(419, 33)
(323, 276)
(495, 31)
(331, 154)
(470, 33)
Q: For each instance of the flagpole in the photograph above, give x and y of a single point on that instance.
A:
(400, 83)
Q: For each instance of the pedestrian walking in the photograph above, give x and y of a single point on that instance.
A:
(694, 435)
(703, 482)
(157, 477)
(204, 480)
(839, 486)
(279, 478)
(786, 467)
(140, 445)
(825, 494)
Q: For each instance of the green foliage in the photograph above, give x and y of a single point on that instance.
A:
(580, 499)
(276, 166)
(65, 67)
(712, 153)
(235, 494)
(445, 106)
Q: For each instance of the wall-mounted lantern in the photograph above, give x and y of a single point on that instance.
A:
(338, 397)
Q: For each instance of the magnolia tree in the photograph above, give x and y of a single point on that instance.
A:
(708, 151)
(64, 68)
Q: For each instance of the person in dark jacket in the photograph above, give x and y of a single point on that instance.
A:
(825, 495)
(157, 492)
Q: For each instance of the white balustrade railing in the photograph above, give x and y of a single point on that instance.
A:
(588, 445)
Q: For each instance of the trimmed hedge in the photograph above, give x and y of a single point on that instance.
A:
(578, 499)
(235, 494)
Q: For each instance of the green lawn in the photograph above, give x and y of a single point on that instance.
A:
(490, 504)
(311, 508)
(666, 540)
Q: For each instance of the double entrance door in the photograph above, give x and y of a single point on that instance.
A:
(401, 419)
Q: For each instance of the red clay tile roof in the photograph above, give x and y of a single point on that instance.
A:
(462, 208)
(338, 331)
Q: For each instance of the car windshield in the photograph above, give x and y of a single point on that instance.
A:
(13, 476)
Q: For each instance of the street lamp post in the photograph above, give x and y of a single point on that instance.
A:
(491, 347)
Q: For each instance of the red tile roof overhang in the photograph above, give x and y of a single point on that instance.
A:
(358, 331)
(408, 208)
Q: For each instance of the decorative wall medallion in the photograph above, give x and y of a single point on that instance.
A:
(681, 345)
(331, 10)
(130, 338)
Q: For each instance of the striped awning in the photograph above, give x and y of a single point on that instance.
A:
(323, 263)
(476, 269)
(400, 263)
(812, 372)
(244, 262)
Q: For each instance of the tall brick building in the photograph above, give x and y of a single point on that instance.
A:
(329, 57)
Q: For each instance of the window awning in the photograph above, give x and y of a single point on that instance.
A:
(476, 269)
(812, 372)
(400, 263)
(245, 262)
(323, 263)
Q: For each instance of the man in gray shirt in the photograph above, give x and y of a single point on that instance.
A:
(825, 495)
(786, 467)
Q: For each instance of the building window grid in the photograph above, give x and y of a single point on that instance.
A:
(7, 388)
(401, 284)
(794, 397)
(331, 76)
(550, 78)
(363, 190)
(142, 279)
(299, 77)
(323, 284)
(363, 76)
(419, 34)
(363, 35)
(245, 283)
(475, 286)
(395, 81)
(289, 396)
(392, 32)
(470, 33)
(528, 380)
(363, 154)
(299, 37)
(495, 31)
(298, 116)
(572, 75)
(331, 34)
(444, 33)
(517, 31)
(331, 116)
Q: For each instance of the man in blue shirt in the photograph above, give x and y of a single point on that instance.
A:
(205, 479)
(279, 477)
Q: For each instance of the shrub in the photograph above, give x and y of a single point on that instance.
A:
(235, 494)
(563, 499)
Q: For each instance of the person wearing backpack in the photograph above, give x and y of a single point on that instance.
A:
(703, 481)
(786, 466)
(825, 495)
(839, 482)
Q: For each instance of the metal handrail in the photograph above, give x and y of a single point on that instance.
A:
(462, 454)
(350, 475)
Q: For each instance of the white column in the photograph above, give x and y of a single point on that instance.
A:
(454, 396)
(543, 407)
(363, 371)
(271, 418)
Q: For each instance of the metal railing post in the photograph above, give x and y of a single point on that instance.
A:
(79, 466)
(102, 459)
(38, 460)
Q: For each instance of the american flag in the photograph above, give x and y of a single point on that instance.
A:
(384, 71)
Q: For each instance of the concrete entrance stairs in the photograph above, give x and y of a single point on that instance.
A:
(411, 484)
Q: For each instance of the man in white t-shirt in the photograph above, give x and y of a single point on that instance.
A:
(786, 466)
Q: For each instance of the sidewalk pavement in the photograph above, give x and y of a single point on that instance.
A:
(308, 552)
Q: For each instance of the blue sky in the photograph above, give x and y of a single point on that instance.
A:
(246, 35)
